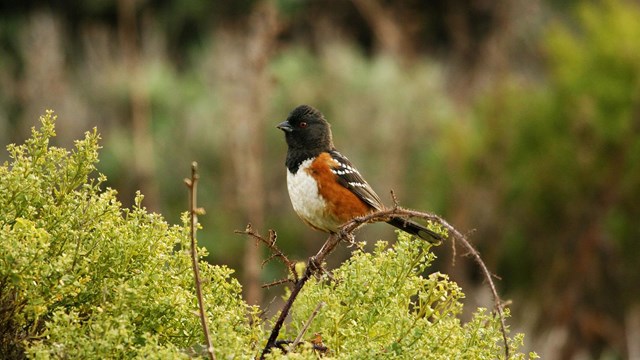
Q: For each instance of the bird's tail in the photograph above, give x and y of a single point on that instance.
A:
(416, 229)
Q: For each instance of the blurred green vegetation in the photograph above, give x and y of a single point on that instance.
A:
(534, 151)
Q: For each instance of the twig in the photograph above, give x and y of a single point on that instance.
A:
(395, 199)
(194, 212)
(306, 325)
(271, 244)
(277, 282)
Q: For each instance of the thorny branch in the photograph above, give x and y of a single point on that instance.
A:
(278, 282)
(275, 251)
(346, 234)
(194, 212)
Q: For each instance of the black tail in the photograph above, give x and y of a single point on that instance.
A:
(416, 229)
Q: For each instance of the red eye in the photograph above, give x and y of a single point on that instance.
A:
(303, 124)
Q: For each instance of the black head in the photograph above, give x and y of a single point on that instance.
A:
(307, 129)
(307, 134)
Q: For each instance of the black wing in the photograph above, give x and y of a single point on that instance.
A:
(350, 178)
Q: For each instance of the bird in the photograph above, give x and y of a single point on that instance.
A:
(325, 188)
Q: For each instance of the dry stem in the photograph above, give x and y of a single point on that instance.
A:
(271, 244)
(194, 211)
(307, 324)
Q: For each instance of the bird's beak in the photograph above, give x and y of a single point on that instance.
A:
(285, 126)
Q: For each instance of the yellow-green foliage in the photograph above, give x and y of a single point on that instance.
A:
(379, 305)
(81, 277)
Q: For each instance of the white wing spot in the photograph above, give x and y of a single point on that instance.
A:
(357, 184)
(345, 169)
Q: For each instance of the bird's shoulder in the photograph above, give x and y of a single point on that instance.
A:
(347, 175)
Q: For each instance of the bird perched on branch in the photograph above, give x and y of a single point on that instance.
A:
(326, 190)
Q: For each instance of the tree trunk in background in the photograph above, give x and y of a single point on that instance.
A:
(632, 324)
(244, 51)
(143, 160)
(391, 40)
(479, 54)
(391, 36)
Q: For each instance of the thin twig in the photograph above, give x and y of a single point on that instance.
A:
(194, 211)
(271, 244)
(395, 199)
(278, 282)
(306, 325)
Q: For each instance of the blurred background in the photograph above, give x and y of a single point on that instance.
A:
(517, 121)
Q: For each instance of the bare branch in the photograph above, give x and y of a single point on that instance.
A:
(278, 282)
(194, 211)
(271, 244)
(455, 235)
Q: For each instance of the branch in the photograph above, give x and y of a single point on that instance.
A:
(497, 301)
(194, 212)
(306, 325)
(271, 244)
(278, 282)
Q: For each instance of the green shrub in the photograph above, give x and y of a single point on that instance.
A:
(81, 277)
(379, 305)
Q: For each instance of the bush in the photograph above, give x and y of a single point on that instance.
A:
(81, 277)
(379, 305)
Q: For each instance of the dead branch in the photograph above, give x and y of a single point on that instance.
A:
(271, 244)
(278, 282)
(456, 235)
(194, 211)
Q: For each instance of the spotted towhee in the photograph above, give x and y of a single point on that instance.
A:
(325, 189)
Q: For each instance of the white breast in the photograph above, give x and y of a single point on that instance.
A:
(307, 201)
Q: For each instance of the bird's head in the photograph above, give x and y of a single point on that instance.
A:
(307, 130)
